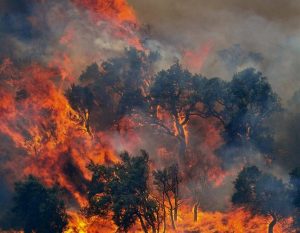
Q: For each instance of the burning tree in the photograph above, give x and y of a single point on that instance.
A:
(38, 208)
(171, 92)
(167, 183)
(180, 95)
(119, 85)
(122, 190)
(262, 194)
(82, 101)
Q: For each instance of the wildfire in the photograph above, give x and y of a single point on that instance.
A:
(194, 60)
(38, 118)
(48, 140)
(117, 10)
(237, 221)
(118, 13)
(79, 224)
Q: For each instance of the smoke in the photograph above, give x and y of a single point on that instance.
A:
(44, 47)
(213, 38)
(287, 134)
(242, 34)
(46, 31)
(268, 28)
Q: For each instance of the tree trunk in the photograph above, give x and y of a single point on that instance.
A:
(164, 213)
(153, 229)
(272, 224)
(176, 196)
(195, 210)
(142, 223)
(182, 147)
(171, 212)
(175, 212)
(181, 137)
(172, 218)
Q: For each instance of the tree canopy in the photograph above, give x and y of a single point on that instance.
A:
(38, 208)
(248, 103)
(122, 189)
(262, 194)
(127, 85)
(118, 85)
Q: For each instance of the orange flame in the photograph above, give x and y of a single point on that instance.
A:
(194, 60)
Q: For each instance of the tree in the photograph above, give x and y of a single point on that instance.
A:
(122, 190)
(248, 103)
(167, 183)
(262, 194)
(81, 100)
(38, 208)
(171, 92)
(119, 85)
(183, 95)
(201, 185)
(295, 195)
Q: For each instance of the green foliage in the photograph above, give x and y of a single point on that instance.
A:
(245, 185)
(167, 179)
(261, 193)
(122, 190)
(119, 86)
(126, 85)
(171, 89)
(249, 102)
(37, 208)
